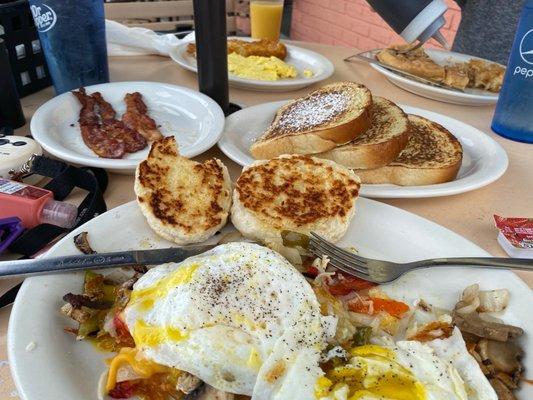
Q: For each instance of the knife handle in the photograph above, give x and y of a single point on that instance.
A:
(69, 263)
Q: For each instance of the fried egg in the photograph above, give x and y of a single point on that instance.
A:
(239, 317)
(408, 370)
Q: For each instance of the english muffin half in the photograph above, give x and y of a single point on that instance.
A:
(295, 193)
(183, 201)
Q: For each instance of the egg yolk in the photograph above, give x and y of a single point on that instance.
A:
(147, 335)
(372, 372)
(145, 298)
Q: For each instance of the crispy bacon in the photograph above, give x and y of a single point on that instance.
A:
(106, 110)
(91, 131)
(101, 131)
(136, 117)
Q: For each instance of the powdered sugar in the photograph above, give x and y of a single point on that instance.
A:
(313, 111)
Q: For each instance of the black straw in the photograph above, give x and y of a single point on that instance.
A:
(211, 50)
(11, 114)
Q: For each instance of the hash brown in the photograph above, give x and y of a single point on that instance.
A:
(262, 48)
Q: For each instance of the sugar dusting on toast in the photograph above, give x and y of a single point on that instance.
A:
(315, 110)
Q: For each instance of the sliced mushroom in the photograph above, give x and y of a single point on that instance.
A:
(206, 392)
(502, 391)
(81, 300)
(504, 356)
(187, 383)
(473, 324)
(77, 314)
(81, 241)
(507, 380)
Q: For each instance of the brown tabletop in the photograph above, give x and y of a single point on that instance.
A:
(468, 214)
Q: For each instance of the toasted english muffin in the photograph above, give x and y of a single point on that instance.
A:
(380, 144)
(330, 116)
(296, 193)
(432, 155)
(183, 201)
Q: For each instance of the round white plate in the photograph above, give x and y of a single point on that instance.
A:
(297, 56)
(470, 97)
(193, 118)
(484, 160)
(61, 368)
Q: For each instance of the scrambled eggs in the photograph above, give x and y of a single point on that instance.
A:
(261, 68)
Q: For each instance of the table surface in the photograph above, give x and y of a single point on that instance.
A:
(468, 214)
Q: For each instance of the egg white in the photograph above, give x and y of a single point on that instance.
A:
(239, 317)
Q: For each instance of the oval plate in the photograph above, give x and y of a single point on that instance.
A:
(470, 97)
(193, 118)
(61, 368)
(484, 160)
(297, 56)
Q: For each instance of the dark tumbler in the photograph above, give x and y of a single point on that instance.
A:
(211, 50)
(11, 114)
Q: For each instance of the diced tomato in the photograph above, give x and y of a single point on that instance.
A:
(121, 328)
(123, 390)
(342, 284)
(312, 271)
(393, 307)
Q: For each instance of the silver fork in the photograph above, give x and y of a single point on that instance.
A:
(380, 271)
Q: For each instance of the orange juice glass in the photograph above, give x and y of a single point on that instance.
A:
(265, 17)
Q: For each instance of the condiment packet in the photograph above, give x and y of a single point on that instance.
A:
(516, 236)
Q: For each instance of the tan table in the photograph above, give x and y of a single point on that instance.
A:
(469, 214)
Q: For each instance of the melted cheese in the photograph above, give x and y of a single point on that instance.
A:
(141, 366)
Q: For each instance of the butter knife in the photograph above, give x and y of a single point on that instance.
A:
(43, 266)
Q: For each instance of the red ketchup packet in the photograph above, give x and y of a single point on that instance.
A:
(516, 235)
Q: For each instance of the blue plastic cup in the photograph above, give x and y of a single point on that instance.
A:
(513, 118)
(72, 34)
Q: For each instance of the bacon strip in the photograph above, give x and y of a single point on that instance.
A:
(102, 132)
(91, 131)
(136, 117)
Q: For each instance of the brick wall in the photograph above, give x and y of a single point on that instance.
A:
(352, 23)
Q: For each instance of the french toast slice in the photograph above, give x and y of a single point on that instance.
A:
(184, 201)
(330, 116)
(296, 193)
(380, 144)
(432, 155)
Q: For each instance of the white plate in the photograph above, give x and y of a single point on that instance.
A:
(60, 368)
(297, 56)
(193, 118)
(484, 160)
(470, 97)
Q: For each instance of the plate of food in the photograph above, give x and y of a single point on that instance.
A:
(467, 80)
(264, 65)
(397, 150)
(256, 316)
(111, 125)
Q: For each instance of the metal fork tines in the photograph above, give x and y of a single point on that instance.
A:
(380, 271)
